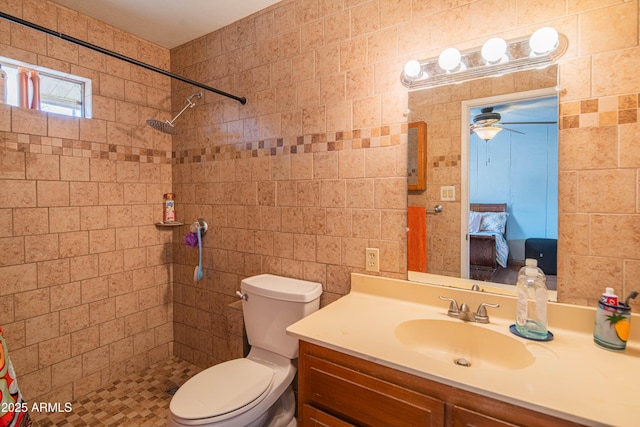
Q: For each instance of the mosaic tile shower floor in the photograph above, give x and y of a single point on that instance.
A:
(135, 400)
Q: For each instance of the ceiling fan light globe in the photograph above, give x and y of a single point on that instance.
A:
(494, 50)
(487, 132)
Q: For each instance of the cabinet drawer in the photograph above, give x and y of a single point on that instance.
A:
(314, 417)
(364, 400)
(463, 417)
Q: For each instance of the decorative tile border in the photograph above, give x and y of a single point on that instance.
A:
(310, 143)
(600, 112)
(452, 160)
(25, 143)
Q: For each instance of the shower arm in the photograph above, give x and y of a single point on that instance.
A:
(189, 104)
(113, 54)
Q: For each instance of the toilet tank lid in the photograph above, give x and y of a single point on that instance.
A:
(282, 288)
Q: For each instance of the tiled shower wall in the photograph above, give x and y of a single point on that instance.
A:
(305, 176)
(85, 292)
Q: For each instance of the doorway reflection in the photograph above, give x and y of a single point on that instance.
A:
(513, 189)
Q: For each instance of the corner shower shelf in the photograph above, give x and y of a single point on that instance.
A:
(169, 224)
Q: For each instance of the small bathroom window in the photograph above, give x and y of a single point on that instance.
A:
(60, 93)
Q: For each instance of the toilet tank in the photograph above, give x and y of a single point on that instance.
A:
(272, 304)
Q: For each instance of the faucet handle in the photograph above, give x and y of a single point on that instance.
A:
(481, 315)
(453, 307)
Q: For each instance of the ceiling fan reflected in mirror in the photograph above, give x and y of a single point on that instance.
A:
(487, 124)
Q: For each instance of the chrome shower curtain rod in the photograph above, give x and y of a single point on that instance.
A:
(82, 43)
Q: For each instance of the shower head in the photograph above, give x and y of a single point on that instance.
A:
(167, 126)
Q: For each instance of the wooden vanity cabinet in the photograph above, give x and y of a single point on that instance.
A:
(339, 390)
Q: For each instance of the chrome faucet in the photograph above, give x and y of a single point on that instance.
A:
(463, 313)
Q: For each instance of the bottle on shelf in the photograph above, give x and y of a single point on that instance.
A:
(531, 316)
(35, 84)
(23, 87)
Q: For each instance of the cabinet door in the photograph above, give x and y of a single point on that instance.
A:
(364, 400)
(463, 417)
(313, 417)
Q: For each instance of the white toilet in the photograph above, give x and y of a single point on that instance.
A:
(256, 390)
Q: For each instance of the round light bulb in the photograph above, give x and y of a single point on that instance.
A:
(412, 69)
(543, 40)
(449, 59)
(494, 49)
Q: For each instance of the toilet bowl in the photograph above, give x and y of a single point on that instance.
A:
(256, 390)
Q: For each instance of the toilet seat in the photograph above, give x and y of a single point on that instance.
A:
(244, 383)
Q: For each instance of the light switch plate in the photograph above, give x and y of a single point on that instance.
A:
(448, 193)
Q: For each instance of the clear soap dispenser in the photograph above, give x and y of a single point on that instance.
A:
(531, 316)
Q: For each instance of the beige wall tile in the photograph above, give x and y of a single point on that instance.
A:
(360, 193)
(333, 194)
(54, 350)
(325, 165)
(365, 18)
(43, 166)
(28, 121)
(53, 272)
(32, 303)
(607, 191)
(53, 193)
(66, 371)
(5, 118)
(366, 223)
(366, 112)
(74, 244)
(620, 228)
(588, 148)
(18, 194)
(13, 165)
(607, 29)
(609, 69)
(64, 219)
(42, 328)
(63, 127)
(84, 267)
(28, 221)
(41, 247)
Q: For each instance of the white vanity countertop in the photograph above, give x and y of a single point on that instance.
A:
(571, 378)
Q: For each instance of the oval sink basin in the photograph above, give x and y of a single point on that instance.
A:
(464, 344)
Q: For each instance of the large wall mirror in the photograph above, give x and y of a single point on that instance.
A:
(508, 181)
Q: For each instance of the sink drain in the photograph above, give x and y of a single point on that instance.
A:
(462, 362)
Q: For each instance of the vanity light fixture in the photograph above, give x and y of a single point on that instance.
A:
(495, 58)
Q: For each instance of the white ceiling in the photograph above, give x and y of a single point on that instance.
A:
(168, 23)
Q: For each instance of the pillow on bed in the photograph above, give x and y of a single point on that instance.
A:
(475, 218)
(494, 221)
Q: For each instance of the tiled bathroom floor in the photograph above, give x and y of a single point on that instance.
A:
(135, 400)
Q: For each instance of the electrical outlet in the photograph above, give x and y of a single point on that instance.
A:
(372, 256)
